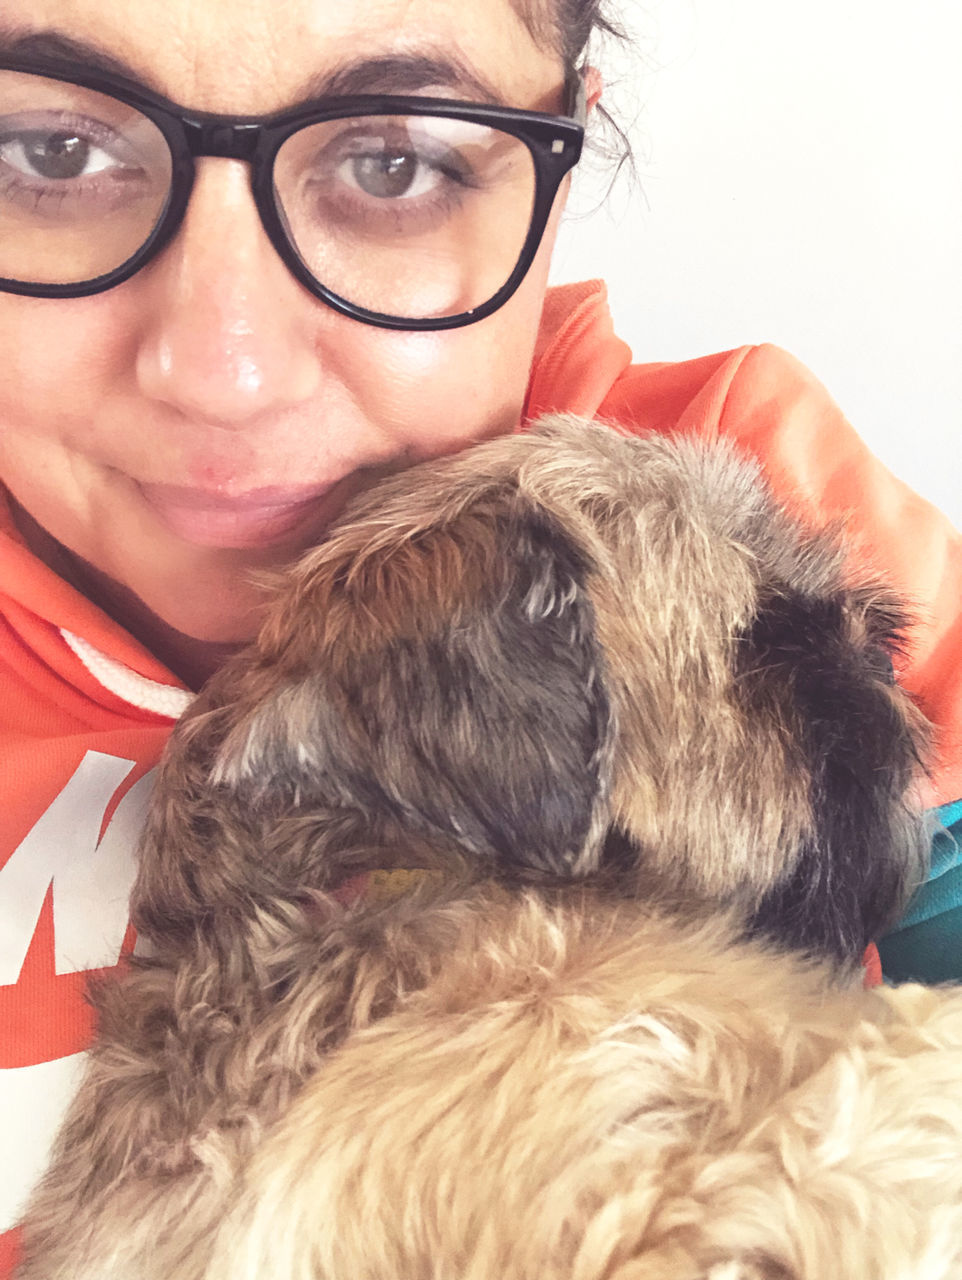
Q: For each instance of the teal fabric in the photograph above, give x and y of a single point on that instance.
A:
(926, 944)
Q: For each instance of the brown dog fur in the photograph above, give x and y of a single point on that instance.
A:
(611, 669)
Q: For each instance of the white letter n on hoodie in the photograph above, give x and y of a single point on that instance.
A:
(91, 877)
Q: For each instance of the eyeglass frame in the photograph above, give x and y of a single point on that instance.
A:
(553, 141)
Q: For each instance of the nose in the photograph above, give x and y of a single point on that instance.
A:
(228, 335)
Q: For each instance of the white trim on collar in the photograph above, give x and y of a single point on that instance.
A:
(148, 695)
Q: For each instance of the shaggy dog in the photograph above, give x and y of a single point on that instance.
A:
(632, 752)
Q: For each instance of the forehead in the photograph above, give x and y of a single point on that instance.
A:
(253, 56)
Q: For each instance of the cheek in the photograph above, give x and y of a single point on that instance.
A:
(61, 356)
(438, 392)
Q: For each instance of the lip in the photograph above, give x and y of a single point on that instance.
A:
(257, 518)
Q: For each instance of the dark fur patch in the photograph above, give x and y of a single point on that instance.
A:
(823, 667)
(484, 718)
(496, 728)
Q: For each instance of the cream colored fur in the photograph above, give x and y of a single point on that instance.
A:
(591, 1094)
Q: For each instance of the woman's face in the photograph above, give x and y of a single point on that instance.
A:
(208, 416)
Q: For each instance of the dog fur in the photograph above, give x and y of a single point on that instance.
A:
(580, 1093)
(618, 713)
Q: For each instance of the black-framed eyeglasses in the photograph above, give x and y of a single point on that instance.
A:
(402, 212)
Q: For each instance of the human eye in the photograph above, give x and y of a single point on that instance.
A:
(57, 154)
(390, 175)
(389, 178)
(59, 163)
(402, 166)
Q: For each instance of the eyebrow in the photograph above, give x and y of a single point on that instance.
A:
(66, 52)
(393, 73)
(407, 73)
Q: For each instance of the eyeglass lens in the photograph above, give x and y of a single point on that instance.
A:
(84, 179)
(409, 216)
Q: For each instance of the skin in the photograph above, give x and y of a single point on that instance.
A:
(212, 369)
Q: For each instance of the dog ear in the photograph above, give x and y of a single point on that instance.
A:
(822, 665)
(459, 687)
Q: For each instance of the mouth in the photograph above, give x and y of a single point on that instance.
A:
(259, 518)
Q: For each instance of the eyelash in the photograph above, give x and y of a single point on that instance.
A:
(351, 209)
(94, 134)
(353, 203)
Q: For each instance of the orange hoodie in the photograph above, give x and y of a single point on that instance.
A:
(85, 710)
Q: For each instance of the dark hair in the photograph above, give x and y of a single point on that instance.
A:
(569, 26)
(576, 21)
(566, 26)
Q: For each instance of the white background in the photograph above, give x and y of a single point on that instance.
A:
(799, 182)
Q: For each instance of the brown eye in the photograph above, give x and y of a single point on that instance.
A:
(56, 155)
(385, 175)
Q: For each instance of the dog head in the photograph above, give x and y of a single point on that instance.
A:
(566, 652)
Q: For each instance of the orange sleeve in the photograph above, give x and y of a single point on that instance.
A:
(820, 468)
(9, 1252)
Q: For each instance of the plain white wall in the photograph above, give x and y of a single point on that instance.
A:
(800, 182)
